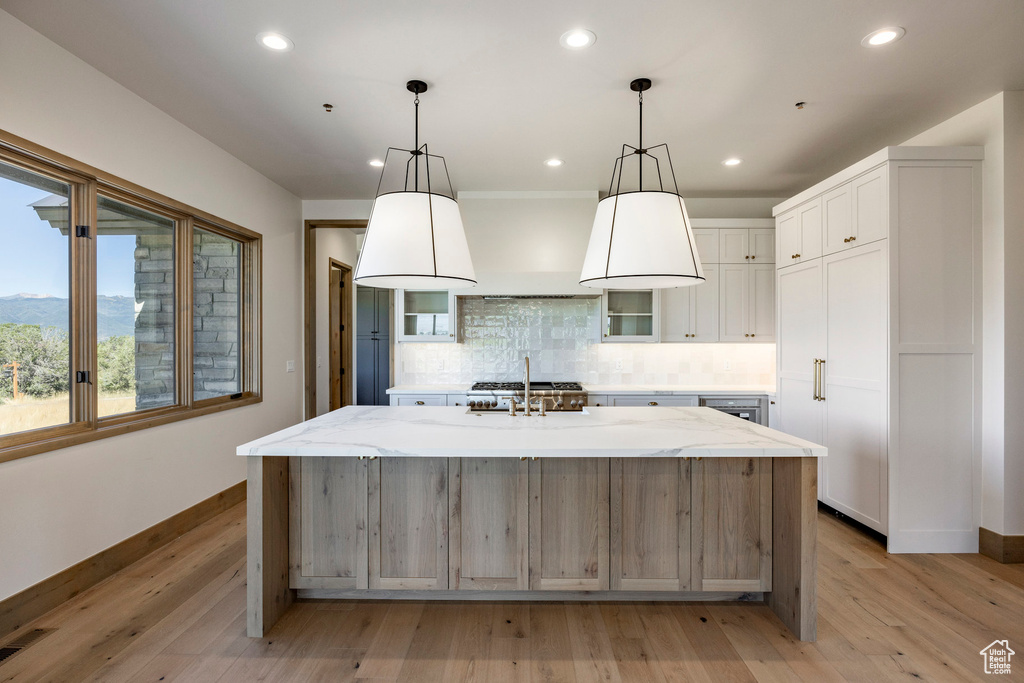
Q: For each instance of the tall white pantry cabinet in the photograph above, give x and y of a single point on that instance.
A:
(879, 341)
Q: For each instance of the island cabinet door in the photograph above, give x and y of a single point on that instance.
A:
(488, 524)
(569, 524)
(650, 524)
(328, 523)
(732, 524)
(408, 510)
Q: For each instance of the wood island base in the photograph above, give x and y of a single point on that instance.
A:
(497, 528)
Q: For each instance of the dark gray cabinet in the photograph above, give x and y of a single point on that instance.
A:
(373, 345)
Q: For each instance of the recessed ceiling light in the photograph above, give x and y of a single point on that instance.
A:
(733, 161)
(577, 39)
(553, 162)
(274, 41)
(883, 36)
(377, 163)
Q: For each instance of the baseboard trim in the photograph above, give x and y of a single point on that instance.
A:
(1005, 549)
(37, 600)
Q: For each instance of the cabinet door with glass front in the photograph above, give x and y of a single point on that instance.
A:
(425, 315)
(631, 315)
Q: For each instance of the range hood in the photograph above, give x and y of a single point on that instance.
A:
(527, 244)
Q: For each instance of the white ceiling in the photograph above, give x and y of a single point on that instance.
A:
(504, 95)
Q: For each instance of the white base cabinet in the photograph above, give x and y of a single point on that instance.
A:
(879, 341)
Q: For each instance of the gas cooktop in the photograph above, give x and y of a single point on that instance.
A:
(534, 386)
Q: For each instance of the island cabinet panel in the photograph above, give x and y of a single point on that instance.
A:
(569, 524)
(650, 524)
(329, 546)
(732, 524)
(488, 501)
(408, 512)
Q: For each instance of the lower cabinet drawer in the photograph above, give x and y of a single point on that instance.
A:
(653, 400)
(419, 400)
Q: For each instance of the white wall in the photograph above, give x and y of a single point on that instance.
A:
(338, 244)
(998, 125)
(59, 508)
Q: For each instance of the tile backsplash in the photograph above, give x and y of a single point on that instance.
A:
(562, 339)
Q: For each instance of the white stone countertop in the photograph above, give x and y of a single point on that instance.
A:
(667, 389)
(430, 431)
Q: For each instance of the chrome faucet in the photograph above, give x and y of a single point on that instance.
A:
(526, 381)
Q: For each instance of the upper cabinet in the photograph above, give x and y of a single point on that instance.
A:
(798, 234)
(425, 315)
(631, 315)
(736, 303)
(743, 245)
(855, 213)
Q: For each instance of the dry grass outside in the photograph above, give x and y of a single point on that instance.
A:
(28, 413)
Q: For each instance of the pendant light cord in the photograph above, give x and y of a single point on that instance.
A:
(640, 148)
(416, 146)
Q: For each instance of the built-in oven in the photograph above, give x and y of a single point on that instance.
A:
(751, 408)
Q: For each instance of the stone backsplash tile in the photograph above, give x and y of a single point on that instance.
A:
(562, 339)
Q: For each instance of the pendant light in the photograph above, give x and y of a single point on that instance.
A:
(641, 238)
(414, 238)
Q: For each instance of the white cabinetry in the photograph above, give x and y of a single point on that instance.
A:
(798, 233)
(878, 342)
(425, 315)
(690, 314)
(747, 302)
(742, 245)
(740, 310)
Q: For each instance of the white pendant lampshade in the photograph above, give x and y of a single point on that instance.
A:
(641, 239)
(414, 238)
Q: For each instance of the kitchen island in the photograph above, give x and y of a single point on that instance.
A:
(609, 503)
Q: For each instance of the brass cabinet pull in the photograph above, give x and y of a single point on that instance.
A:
(815, 375)
(747, 257)
(366, 457)
(753, 257)
(536, 457)
(821, 379)
(796, 256)
(419, 403)
(652, 403)
(853, 238)
(522, 457)
(746, 335)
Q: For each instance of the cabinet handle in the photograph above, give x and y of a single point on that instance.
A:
(821, 379)
(815, 375)
(451, 335)
(419, 403)
(753, 257)
(652, 403)
(522, 457)
(747, 257)
(746, 335)
(796, 256)
(751, 336)
(853, 238)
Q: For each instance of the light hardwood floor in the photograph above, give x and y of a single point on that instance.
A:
(179, 614)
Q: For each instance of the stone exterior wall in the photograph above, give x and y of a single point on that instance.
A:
(154, 320)
(215, 318)
(215, 315)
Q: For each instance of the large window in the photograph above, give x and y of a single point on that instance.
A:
(34, 294)
(119, 308)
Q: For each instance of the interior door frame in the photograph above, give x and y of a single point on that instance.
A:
(340, 341)
(309, 273)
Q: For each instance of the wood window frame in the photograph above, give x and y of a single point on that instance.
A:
(86, 183)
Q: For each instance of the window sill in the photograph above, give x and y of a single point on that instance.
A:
(124, 424)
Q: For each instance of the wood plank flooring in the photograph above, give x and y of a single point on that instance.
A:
(179, 615)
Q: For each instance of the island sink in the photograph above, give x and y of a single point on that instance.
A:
(652, 503)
